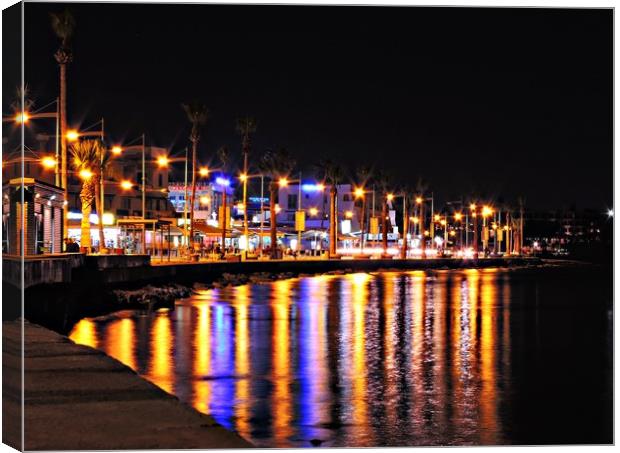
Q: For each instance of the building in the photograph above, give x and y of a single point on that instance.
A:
(207, 201)
(315, 203)
(38, 216)
(122, 193)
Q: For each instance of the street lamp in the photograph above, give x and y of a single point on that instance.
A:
(86, 174)
(72, 135)
(359, 193)
(126, 185)
(203, 171)
(486, 211)
(49, 162)
(22, 117)
(163, 161)
(117, 150)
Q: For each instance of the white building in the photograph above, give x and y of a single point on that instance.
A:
(315, 203)
(207, 202)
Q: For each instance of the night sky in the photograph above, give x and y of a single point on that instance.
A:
(492, 102)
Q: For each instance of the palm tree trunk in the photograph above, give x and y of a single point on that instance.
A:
(384, 225)
(224, 219)
(333, 221)
(422, 229)
(273, 189)
(62, 99)
(86, 196)
(193, 197)
(475, 235)
(403, 252)
(363, 220)
(99, 209)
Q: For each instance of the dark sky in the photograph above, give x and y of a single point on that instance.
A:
(493, 102)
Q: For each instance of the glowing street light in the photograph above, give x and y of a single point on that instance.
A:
(390, 196)
(86, 174)
(472, 206)
(437, 217)
(117, 150)
(359, 192)
(414, 219)
(204, 171)
(163, 161)
(243, 177)
(458, 216)
(313, 211)
(126, 185)
(22, 117)
(418, 200)
(610, 213)
(348, 214)
(72, 135)
(204, 200)
(49, 162)
(283, 182)
(486, 211)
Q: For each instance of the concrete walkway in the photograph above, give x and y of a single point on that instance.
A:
(77, 397)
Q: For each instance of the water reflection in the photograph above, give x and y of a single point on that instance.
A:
(394, 358)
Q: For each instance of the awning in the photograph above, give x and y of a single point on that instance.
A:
(266, 233)
(210, 230)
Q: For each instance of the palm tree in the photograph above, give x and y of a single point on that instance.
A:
(409, 194)
(63, 25)
(222, 153)
(521, 202)
(245, 127)
(86, 159)
(363, 175)
(382, 180)
(99, 175)
(332, 175)
(421, 188)
(276, 164)
(197, 115)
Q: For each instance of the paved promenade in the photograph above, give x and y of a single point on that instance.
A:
(77, 397)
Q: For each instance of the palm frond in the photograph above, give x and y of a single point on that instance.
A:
(223, 155)
(246, 125)
(87, 154)
(277, 163)
(63, 25)
(197, 113)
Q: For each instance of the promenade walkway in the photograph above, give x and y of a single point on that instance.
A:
(77, 397)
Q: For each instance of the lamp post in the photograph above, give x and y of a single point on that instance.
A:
(244, 177)
(283, 182)
(359, 193)
(421, 228)
(162, 162)
(262, 213)
(457, 218)
(486, 211)
(474, 215)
